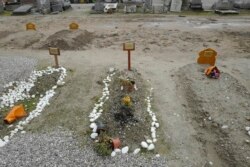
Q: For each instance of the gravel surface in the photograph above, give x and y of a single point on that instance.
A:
(15, 68)
(59, 148)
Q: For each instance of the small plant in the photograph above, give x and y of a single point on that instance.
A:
(127, 101)
(103, 147)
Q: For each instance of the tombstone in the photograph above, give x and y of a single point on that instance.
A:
(129, 8)
(1, 7)
(224, 5)
(43, 6)
(158, 9)
(56, 6)
(242, 4)
(195, 4)
(176, 5)
(208, 4)
(22, 10)
(160, 6)
(99, 6)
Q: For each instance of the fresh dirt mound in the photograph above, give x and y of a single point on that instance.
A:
(219, 109)
(130, 123)
(69, 40)
(21, 40)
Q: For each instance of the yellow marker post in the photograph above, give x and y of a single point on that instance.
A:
(207, 56)
(30, 26)
(73, 26)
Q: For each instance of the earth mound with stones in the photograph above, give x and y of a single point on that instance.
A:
(122, 120)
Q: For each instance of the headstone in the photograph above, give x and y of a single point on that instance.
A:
(176, 6)
(22, 10)
(208, 4)
(12, 6)
(99, 6)
(224, 5)
(159, 6)
(242, 4)
(43, 6)
(195, 4)
(56, 6)
(130, 9)
(1, 7)
(158, 9)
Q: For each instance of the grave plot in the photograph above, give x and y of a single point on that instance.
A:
(122, 120)
(22, 101)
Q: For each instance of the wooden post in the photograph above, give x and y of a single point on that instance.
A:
(129, 61)
(56, 61)
(128, 47)
(56, 53)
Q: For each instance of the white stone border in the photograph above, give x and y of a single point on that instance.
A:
(98, 109)
(20, 92)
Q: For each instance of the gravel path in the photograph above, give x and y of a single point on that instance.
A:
(59, 148)
(14, 68)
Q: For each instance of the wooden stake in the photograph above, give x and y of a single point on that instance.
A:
(56, 61)
(129, 61)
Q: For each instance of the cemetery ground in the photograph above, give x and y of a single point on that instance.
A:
(202, 121)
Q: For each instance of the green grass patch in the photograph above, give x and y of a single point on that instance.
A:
(6, 13)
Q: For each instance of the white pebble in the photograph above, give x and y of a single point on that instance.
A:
(224, 127)
(6, 138)
(93, 125)
(125, 150)
(117, 150)
(149, 141)
(94, 135)
(144, 144)
(136, 151)
(211, 163)
(157, 155)
(247, 128)
(157, 125)
(113, 153)
(2, 143)
(151, 147)
(94, 129)
(153, 135)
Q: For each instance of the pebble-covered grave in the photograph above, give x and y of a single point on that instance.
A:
(33, 93)
(123, 121)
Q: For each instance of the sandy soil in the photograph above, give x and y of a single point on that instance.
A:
(192, 108)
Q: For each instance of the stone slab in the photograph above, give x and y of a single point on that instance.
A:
(176, 5)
